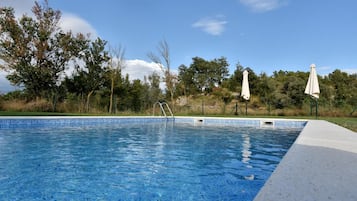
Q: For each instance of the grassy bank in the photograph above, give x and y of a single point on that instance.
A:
(350, 123)
(347, 122)
(7, 113)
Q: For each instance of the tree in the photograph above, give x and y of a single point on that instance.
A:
(352, 100)
(92, 75)
(122, 89)
(136, 95)
(266, 90)
(208, 74)
(342, 85)
(185, 82)
(76, 85)
(235, 80)
(169, 78)
(116, 64)
(290, 89)
(293, 88)
(154, 92)
(36, 51)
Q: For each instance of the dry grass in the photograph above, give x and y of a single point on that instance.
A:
(23, 106)
(200, 105)
(210, 105)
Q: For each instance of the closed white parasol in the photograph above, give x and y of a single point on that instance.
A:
(245, 90)
(245, 86)
(312, 87)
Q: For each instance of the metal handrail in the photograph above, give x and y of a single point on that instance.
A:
(162, 104)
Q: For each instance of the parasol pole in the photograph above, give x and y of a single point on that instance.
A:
(317, 106)
(246, 107)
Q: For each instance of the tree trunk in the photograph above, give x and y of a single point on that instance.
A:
(80, 103)
(172, 100)
(88, 98)
(111, 97)
(54, 102)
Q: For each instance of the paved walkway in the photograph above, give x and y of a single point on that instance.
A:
(320, 166)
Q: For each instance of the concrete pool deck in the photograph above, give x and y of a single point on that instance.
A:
(321, 165)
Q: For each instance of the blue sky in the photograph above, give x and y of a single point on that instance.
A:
(265, 35)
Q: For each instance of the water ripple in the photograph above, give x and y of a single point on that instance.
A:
(138, 162)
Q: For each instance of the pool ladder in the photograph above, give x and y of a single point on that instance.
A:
(163, 105)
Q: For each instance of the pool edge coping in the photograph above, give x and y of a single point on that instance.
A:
(319, 166)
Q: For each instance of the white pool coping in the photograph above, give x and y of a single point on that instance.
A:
(321, 165)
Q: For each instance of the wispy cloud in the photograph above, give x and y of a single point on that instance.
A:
(263, 5)
(211, 25)
(350, 70)
(325, 70)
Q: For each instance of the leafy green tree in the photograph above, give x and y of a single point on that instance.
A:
(290, 86)
(186, 85)
(13, 95)
(294, 89)
(208, 74)
(92, 75)
(75, 85)
(123, 90)
(136, 95)
(235, 80)
(342, 85)
(266, 90)
(36, 51)
(353, 89)
(327, 93)
(153, 91)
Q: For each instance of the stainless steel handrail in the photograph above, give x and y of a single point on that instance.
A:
(162, 105)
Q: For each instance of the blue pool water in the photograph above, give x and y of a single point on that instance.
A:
(134, 161)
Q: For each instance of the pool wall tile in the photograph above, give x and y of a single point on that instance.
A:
(61, 121)
(252, 122)
(32, 122)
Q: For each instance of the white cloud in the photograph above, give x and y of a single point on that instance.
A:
(213, 26)
(70, 22)
(263, 5)
(21, 6)
(137, 69)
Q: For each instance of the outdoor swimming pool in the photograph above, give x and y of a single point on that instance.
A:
(126, 159)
